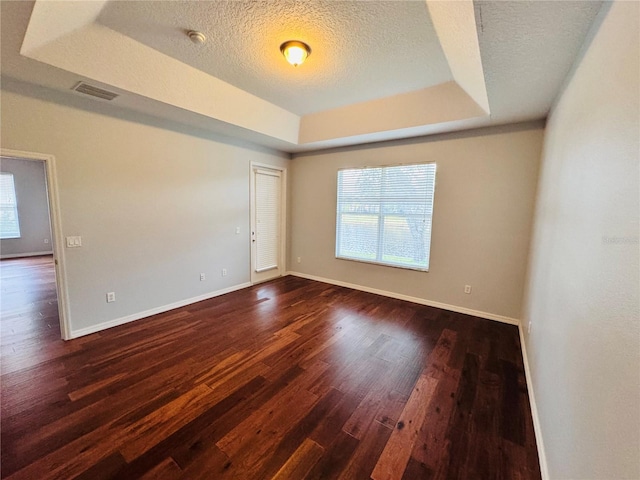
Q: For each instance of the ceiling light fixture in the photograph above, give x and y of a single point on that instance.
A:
(295, 52)
(197, 37)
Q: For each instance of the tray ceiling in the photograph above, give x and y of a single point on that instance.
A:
(360, 50)
(378, 70)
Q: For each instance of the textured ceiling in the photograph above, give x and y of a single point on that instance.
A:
(526, 49)
(361, 50)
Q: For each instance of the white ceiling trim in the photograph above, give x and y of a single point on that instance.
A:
(455, 25)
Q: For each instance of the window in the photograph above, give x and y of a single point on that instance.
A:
(384, 215)
(9, 224)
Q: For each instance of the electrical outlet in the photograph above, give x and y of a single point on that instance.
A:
(224, 272)
(299, 259)
(111, 297)
(467, 289)
(203, 277)
(529, 328)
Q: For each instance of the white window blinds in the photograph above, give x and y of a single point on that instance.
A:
(9, 223)
(267, 191)
(384, 215)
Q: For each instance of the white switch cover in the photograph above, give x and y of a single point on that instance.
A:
(111, 297)
(73, 242)
(237, 230)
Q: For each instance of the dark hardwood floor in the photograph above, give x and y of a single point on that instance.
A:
(290, 379)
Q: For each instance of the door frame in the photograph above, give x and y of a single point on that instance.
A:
(283, 218)
(56, 230)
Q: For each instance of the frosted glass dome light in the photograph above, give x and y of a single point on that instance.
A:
(295, 52)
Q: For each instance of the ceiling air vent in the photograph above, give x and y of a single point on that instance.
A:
(94, 91)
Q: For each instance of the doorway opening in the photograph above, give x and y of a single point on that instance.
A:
(31, 265)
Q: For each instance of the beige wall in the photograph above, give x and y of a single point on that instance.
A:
(155, 204)
(583, 298)
(483, 208)
(33, 208)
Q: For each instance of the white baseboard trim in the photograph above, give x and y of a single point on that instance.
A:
(154, 311)
(544, 470)
(30, 254)
(420, 301)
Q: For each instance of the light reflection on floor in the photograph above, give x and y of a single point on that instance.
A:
(357, 337)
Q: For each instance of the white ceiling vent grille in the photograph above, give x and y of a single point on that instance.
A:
(94, 91)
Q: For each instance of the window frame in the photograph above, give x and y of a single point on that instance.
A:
(15, 209)
(380, 216)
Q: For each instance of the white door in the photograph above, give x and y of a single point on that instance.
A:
(267, 221)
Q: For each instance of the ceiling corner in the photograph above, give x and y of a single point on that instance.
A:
(455, 25)
(52, 20)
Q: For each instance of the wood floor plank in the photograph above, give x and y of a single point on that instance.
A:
(416, 469)
(105, 469)
(195, 439)
(452, 464)
(431, 444)
(215, 424)
(300, 432)
(326, 432)
(167, 470)
(125, 405)
(213, 463)
(397, 452)
(94, 387)
(376, 403)
(362, 460)
(150, 430)
(275, 417)
(302, 460)
(290, 378)
(336, 457)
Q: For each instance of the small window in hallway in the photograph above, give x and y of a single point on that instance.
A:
(9, 223)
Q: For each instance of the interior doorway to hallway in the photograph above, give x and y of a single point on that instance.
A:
(33, 299)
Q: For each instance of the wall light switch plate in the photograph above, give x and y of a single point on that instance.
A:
(74, 242)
